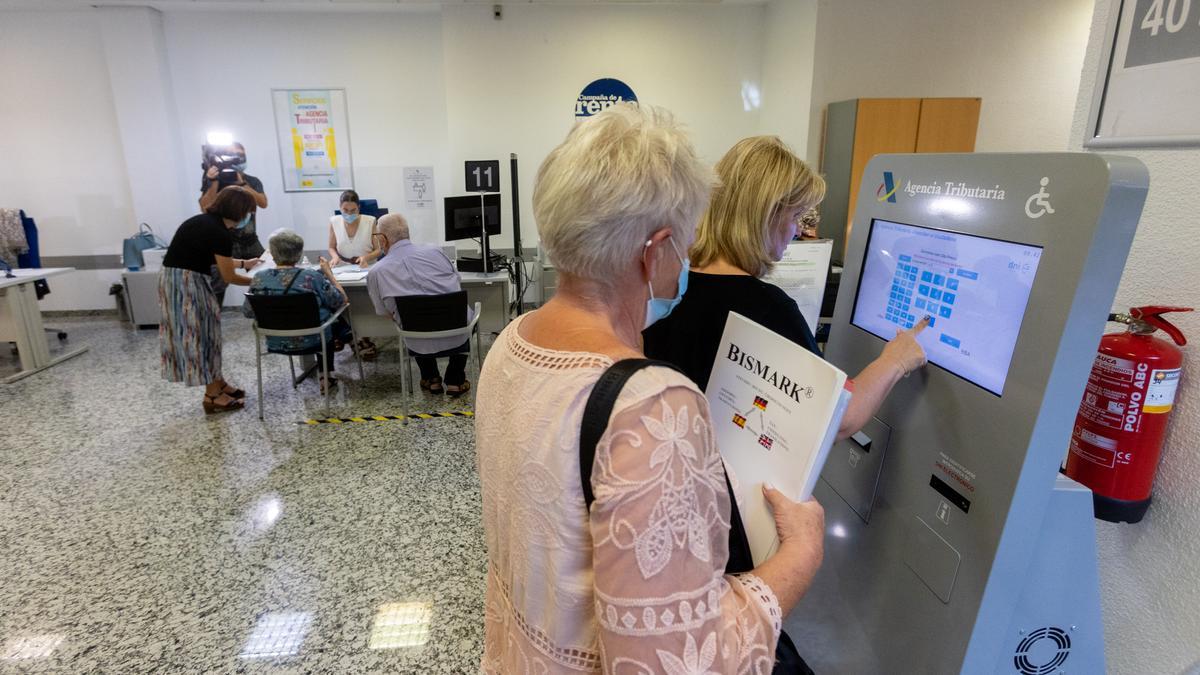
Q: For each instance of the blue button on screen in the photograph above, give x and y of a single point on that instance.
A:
(926, 276)
(953, 342)
(935, 294)
(948, 298)
(945, 312)
(952, 284)
(967, 274)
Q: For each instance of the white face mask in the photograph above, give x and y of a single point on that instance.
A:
(658, 308)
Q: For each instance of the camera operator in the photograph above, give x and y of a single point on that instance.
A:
(225, 166)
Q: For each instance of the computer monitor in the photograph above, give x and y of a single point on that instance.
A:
(462, 216)
(974, 289)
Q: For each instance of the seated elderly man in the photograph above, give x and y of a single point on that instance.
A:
(419, 269)
(287, 248)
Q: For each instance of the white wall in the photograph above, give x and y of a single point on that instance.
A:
(789, 52)
(1022, 57)
(424, 87)
(62, 157)
(512, 84)
(389, 63)
(1150, 572)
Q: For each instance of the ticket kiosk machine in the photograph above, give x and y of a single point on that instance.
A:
(953, 545)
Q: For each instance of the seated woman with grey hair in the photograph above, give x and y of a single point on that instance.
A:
(287, 248)
(632, 559)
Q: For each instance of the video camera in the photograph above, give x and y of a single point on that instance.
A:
(225, 158)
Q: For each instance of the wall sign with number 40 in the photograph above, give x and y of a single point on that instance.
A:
(483, 176)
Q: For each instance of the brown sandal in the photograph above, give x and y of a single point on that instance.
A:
(366, 349)
(433, 386)
(211, 406)
(327, 386)
(454, 392)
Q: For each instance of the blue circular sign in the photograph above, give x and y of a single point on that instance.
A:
(602, 94)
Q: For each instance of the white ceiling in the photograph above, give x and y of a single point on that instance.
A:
(281, 5)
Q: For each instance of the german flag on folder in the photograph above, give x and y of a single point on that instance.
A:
(760, 403)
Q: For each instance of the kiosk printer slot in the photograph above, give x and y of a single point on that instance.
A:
(953, 545)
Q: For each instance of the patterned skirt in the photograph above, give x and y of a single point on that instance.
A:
(190, 330)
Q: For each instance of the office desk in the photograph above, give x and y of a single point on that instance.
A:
(490, 290)
(21, 321)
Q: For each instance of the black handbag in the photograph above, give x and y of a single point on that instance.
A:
(596, 412)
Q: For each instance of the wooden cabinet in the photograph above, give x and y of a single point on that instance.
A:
(858, 129)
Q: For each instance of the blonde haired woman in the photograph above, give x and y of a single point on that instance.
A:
(764, 194)
(621, 564)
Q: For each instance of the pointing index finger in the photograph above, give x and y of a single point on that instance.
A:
(921, 325)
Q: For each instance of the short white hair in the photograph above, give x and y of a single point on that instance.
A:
(617, 178)
(393, 226)
(286, 246)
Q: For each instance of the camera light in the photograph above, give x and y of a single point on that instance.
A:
(220, 138)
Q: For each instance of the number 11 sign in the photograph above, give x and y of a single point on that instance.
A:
(483, 176)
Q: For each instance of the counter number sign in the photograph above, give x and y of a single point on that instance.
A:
(483, 176)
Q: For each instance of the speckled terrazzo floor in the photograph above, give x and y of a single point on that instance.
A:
(138, 535)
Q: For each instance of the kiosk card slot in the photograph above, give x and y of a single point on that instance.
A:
(854, 467)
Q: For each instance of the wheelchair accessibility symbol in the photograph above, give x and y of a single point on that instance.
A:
(1038, 203)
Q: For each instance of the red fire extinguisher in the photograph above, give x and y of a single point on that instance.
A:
(1123, 417)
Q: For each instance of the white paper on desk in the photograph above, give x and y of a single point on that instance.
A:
(776, 408)
(349, 273)
(268, 263)
(802, 273)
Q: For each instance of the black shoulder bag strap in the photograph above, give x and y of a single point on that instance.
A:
(596, 412)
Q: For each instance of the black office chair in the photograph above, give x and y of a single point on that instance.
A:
(434, 316)
(292, 315)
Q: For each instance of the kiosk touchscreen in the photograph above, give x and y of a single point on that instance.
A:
(953, 545)
(973, 289)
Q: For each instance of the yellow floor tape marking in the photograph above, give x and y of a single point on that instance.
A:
(385, 418)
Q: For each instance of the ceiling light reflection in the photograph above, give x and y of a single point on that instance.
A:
(751, 96)
(266, 511)
(950, 206)
(31, 647)
(277, 634)
(838, 530)
(401, 624)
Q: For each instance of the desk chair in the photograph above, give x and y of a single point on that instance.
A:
(434, 316)
(294, 315)
(367, 207)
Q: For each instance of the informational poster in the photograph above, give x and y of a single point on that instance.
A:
(801, 273)
(1149, 93)
(418, 188)
(313, 130)
(776, 408)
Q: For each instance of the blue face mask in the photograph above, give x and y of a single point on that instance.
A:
(350, 217)
(241, 225)
(240, 167)
(659, 308)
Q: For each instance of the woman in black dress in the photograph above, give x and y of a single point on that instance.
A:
(764, 193)
(190, 330)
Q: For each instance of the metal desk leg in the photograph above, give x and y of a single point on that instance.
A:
(21, 310)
